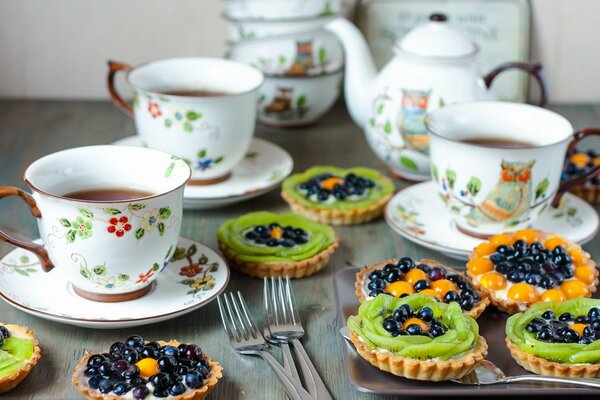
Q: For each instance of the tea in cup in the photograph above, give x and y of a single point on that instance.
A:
(498, 164)
(109, 216)
(202, 110)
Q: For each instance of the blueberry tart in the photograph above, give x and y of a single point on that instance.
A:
(417, 337)
(406, 276)
(578, 164)
(338, 196)
(516, 270)
(137, 369)
(19, 353)
(263, 244)
(557, 338)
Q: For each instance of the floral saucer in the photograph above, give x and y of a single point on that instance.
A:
(193, 278)
(417, 214)
(263, 168)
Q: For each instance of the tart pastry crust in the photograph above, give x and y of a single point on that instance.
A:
(298, 269)
(216, 373)
(423, 370)
(339, 217)
(361, 275)
(11, 381)
(541, 366)
(589, 193)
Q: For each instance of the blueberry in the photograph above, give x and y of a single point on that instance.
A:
(105, 385)
(182, 370)
(571, 336)
(467, 302)
(175, 378)
(548, 315)
(372, 285)
(523, 267)
(454, 278)
(135, 341)
(91, 371)
(405, 264)
(106, 368)
(586, 340)
(503, 268)
(594, 314)
(148, 352)
(502, 249)
(582, 319)
(400, 314)
(375, 274)
(375, 292)
(193, 352)
(547, 282)
(437, 273)
(322, 196)
(260, 229)
(117, 347)
(193, 380)
(392, 276)
(532, 328)
(391, 325)
(516, 276)
(497, 258)
(288, 243)
(567, 272)
(451, 296)
(170, 351)
(469, 292)
(436, 331)
(95, 359)
(520, 244)
(131, 372)
(177, 389)
(121, 365)
(340, 194)
(558, 277)
(424, 267)
(413, 329)
(160, 393)
(160, 380)
(167, 363)
(132, 358)
(274, 225)
(545, 334)
(595, 325)
(537, 246)
(138, 381)
(421, 284)
(272, 242)
(301, 240)
(94, 381)
(121, 388)
(588, 331)
(251, 235)
(407, 310)
(540, 258)
(425, 313)
(204, 371)
(4, 332)
(533, 279)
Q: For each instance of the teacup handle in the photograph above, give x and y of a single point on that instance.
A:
(37, 249)
(113, 68)
(533, 69)
(577, 180)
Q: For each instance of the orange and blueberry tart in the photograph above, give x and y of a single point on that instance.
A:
(516, 270)
(578, 164)
(417, 337)
(406, 276)
(137, 369)
(338, 196)
(264, 244)
(19, 353)
(557, 338)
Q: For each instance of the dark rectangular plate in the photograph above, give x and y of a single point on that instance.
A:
(367, 378)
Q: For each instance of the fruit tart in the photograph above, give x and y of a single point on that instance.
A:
(516, 270)
(578, 164)
(137, 369)
(406, 276)
(417, 337)
(19, 353)
(557, 338)
(338, 196)
(264, 244)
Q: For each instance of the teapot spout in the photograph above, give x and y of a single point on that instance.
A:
(360, 71)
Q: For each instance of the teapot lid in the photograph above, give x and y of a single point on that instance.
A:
(437, 39)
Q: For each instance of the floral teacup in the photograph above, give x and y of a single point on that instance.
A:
(202, 110)
(109, 250)
(498, 164)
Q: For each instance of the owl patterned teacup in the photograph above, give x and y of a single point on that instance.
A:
(108, 216)
(498, 164)
(202, 110)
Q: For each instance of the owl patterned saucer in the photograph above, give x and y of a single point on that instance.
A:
(193, 278)
(418, 215)
(263, 168)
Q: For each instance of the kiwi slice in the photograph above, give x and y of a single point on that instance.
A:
(13, 354)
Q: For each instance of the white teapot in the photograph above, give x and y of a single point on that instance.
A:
(435, 64)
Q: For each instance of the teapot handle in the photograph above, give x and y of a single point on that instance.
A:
(533, 69)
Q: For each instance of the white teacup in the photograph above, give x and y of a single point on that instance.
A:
(511, 173)
(200, 109)
(110, 250)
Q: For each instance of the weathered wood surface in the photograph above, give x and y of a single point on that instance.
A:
(29, 130)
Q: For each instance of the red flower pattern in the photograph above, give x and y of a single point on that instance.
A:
(191, 270)
(119, 226)
(154, 109)
(143, 278)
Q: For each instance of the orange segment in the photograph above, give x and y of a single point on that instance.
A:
(430, 292)
(493, 281)
(485, 249)
(480, 265)
(584, 274)
(596, 161)
(580, 159)
(574, 289)
(578, 257)
(148, 367)
(443, 286)
(553, 295)
(415, 275)
(277, 233)
(503, 238)
(553, 242)
(578, 328)
(399, 288)
(330, 183)
(523, 292)
(528, 235)
(416, 321)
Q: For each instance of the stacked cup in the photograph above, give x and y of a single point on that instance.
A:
(302, 63)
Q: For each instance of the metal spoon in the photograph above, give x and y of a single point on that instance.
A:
(487, 373)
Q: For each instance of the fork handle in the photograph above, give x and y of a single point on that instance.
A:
(316, 388)
(555, 379)
(288, 361)
(294, 388)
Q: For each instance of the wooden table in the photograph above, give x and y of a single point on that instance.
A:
(31, 129)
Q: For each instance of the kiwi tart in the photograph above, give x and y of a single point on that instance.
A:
(264, 244)
(138, 369)
(405, 276)
(557, 338)
(516, 270)
(417, 337)
(338, 196)
(19, 353)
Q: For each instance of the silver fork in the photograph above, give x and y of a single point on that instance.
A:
(285, 324)
(245, 338)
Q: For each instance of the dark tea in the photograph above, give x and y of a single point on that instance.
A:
(498, 142)
(108, 194)
(193, 93)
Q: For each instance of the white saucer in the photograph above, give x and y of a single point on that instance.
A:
(24, 285)
(417, 214)
(263, 168)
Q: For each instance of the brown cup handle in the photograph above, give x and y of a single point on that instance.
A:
(533, 69)
(37, 249)
(113, 68)
(577, 180)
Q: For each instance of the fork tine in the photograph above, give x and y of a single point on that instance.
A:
(295, 316)
(284, 312)
(236, 319)
(254, 329)
(276, 313)
(226, 320)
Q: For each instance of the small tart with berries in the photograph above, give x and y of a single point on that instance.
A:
(578, 164)
(19, 353)
(417, 337)
(263, 244)
(557, 338)
(516, 270)
(406, 276)
(338, 196)
(137, 369)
